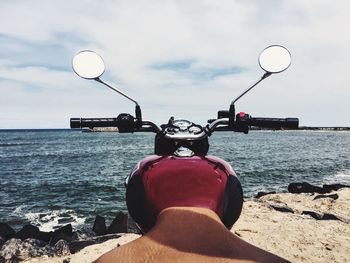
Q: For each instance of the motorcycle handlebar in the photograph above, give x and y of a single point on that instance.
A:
(126, 123)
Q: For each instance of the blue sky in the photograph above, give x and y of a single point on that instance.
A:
(183, 58)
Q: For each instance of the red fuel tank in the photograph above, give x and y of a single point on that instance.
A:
(170, 181)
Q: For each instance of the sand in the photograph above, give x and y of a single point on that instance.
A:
(297, 237)
(294, 236)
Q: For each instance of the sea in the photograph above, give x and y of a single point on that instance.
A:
(50, 178)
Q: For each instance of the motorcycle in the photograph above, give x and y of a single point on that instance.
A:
(180, 150)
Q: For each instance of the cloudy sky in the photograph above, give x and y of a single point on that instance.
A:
(183, 58)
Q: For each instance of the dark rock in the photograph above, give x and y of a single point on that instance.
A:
(28, 231)
(2, 260)
(66, 260)
(67, 230)
(2, 241)
(59, 236)
(328, 248)
(119, 224)
(63, 233)
(260, 194)
(330, 217)
(6, 231)
(334, 187)
(44, 236)
(312, 214)
(282, 208)
(319, 216)
(99, 225)
(332, 196)
(61, 248)
(297, 188)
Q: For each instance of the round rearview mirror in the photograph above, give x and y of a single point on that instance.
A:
(274, 59)
(88, 65)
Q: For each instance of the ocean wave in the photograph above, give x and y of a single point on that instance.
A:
(51, 220)
(19, 210)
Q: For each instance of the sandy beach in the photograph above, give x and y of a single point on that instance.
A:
(292, 233)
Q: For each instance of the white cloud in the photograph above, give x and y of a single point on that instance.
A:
(39, 38)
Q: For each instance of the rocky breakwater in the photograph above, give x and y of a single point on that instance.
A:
(31, 242)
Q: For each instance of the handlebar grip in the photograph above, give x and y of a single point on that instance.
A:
(277, 123)
(93, 122)
(124, 122)
(243, 121)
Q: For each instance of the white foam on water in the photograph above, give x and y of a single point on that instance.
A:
(18, 211)
(343, 174)
(48, 221)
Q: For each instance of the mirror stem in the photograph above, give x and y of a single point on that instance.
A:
(138, 113)
(116, 90)
(267, 74)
